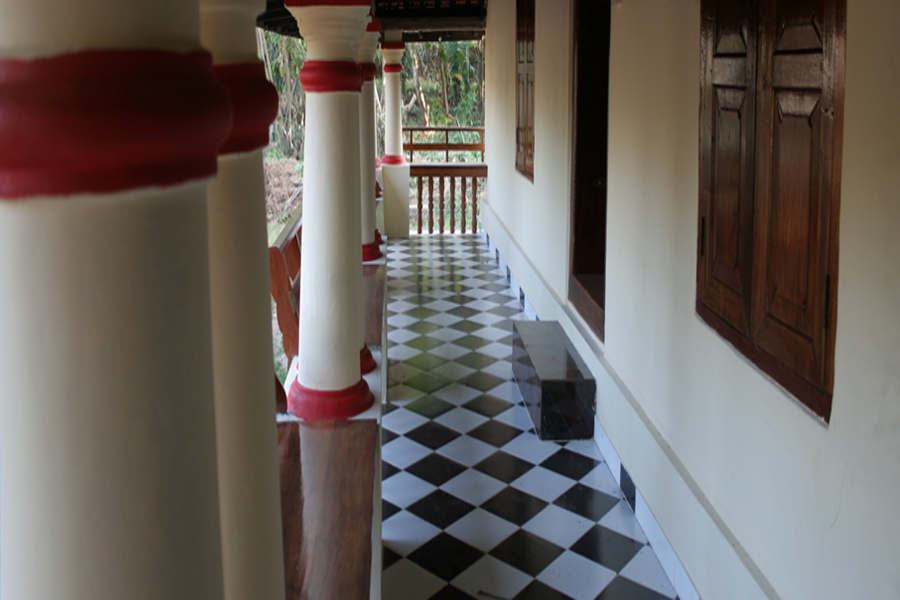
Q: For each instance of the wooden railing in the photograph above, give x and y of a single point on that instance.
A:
(463, 178)
(284, 281)
(438, 139)
(458, 184)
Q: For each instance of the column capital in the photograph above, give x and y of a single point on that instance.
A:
(332, 29)
(393, 54)
(227, 29)
(368, 48)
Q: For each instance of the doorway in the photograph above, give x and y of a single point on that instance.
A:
(587, 279)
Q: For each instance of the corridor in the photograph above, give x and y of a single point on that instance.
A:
(474, 505)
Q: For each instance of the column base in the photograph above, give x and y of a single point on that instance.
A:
(396, 200)
(378, 239)
(371, 251)
(318, 405)
(367, 362)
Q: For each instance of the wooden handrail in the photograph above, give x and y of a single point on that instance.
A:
(410, 145)
(443, 128)
(448, 170)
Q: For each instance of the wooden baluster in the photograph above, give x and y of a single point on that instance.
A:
(474, 205)
(431, 205)
(462, 204)
(452, 204)
(419, 207)
(441, 214)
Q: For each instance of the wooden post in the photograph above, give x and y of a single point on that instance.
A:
(452, 204)
(419, 206)
(441, 201)
(474, 205)
(462, 224)
(430, 205)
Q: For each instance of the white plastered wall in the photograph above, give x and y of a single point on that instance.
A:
(756, 495)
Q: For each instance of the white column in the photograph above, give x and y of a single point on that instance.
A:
(249, 494)
(367, 51)
(111, 123)
(394, 168)
(329, 383)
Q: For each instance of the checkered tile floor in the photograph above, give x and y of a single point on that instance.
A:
(474, 505)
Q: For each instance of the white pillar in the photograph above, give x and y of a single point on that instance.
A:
(249, 493)
(394, 168)
(329, 383)
(367, 51)
(111, 123)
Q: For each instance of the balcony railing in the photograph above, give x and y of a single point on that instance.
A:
(457, 182)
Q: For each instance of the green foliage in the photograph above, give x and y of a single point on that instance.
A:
(283, 57)
(443, 85)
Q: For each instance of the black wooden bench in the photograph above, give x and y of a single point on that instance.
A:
(554, 381)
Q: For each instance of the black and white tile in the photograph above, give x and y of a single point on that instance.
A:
(474, 505)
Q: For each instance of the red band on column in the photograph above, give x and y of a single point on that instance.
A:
(368, 71)
(392, 68)
(374, 25)
(315, 405)
(103, 121)
(330, 76)
(367, 362)
(393, 159)
(371, 252)
(393, 45)
(255, 103)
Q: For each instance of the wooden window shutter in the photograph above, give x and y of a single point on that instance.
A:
(525, 87)
(727, 133)
(772, 85)
(799, 130)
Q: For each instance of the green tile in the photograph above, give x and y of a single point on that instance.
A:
(401, 372)
(463, 311)
(421, 312)
(472, 342)
(481, 381)
(504, 311)
(423, 342)
(429, 406)
(427, 382)
(423, 327)
(476, 360)
(426, 361)
(467, 326)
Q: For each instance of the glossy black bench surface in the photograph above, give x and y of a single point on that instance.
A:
(557, 387)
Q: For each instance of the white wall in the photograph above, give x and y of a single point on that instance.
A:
(755, 494)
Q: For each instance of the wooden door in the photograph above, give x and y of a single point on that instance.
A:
(587, 284)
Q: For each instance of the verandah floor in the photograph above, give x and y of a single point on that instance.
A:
(474, 505)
